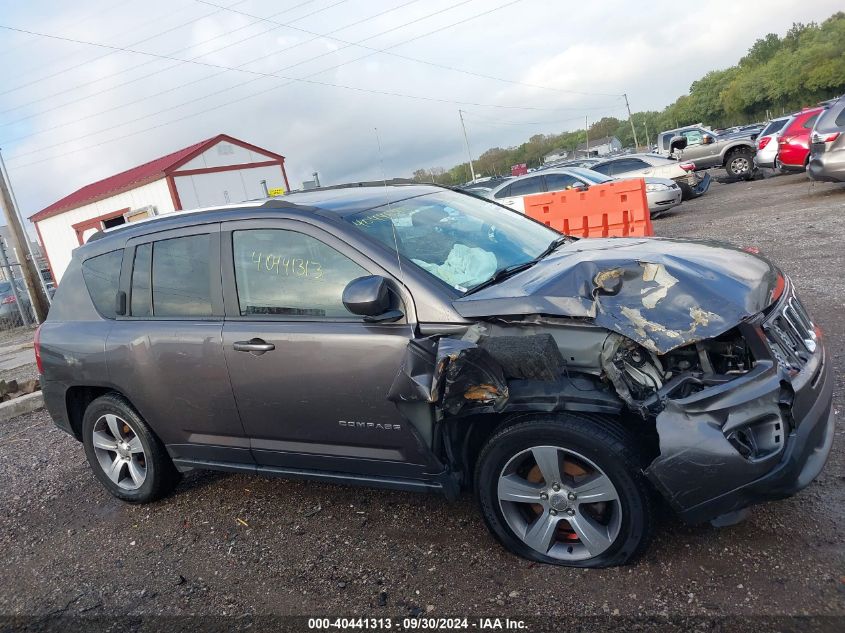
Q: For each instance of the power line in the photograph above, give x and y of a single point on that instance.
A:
(521, 123)
(83, 18)
(260, 76)
(292, 81)
(148, 75)
(113, 49)
(147, 63)
(413, 59)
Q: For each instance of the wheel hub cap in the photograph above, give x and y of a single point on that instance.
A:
(559, 501)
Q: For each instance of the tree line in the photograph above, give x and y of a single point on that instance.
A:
(777, 75)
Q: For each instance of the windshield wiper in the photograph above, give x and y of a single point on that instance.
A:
(502, 273)
(507, 271)
(551, 248)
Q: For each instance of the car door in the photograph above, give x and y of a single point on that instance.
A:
(696, 149)
(311, 379)
(513, 194)
(166, 351)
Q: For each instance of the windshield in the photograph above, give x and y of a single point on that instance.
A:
(460, 239)
(589, 175)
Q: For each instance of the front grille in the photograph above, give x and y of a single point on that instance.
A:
(791, 333)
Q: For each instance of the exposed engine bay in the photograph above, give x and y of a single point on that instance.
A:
(644, 379)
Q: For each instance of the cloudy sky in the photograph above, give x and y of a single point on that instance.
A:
(92, 87)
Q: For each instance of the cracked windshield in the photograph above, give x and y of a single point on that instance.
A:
(460, 240)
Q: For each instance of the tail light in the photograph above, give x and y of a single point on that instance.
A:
(784, 140)
(687, 166)
(830, 137)
(36, 341)
(763, 142)
(9, 299)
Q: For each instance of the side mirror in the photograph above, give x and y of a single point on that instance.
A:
(370, 297)
(707, 139)
(677, 143)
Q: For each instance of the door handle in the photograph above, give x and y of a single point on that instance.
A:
(255, 345)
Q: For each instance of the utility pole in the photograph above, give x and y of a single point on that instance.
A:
(631, 119)
(587, 132)
(10, 275)
(645, 125)
(20, 243)
(466, 141)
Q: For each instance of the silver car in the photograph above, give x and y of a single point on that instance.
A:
(827, 145)
(662, 193)
(647, 165)
(767, 143)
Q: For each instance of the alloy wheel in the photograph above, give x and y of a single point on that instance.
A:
(119, 451)
(559, 503)
(740, 165)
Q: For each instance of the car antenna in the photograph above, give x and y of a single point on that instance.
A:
(387, 198)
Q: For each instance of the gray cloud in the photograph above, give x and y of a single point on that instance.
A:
(651, 51)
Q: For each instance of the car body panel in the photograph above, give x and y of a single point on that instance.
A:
(706, 155)
(827, 148)
(662, 293)
(767, 143)
(794, 139)
(432, 371)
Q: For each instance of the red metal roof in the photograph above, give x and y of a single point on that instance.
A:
(137, 176)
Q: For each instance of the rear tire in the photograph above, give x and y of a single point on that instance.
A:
(552, 522)
(124, 453)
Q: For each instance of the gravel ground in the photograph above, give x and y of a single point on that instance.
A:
(233, 544)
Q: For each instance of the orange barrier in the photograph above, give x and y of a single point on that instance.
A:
(614, 209)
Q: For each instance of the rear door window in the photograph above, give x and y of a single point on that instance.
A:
(625, 165)
(181, 281)
(527, 186)
(102, 278)
(172, 278)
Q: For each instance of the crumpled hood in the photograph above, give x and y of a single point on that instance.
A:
(662, 293)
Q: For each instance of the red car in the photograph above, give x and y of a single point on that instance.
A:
(794, 139)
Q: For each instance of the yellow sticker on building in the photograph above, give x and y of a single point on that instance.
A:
(277, 191)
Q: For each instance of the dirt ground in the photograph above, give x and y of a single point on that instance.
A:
(226, 544)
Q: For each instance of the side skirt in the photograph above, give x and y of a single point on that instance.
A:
(369, 481)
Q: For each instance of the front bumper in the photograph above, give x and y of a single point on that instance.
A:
(660, 201)
(701, 472)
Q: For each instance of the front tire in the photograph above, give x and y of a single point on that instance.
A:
(565, 490)
(740, 164)
(124, 453)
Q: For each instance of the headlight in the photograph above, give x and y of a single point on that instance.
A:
(656, 186)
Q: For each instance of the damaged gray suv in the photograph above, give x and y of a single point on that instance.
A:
(418, 338)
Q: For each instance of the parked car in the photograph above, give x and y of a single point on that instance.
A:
(827, 149)
(734, 152)
(484, 187)
(794, 140)
(767, 143)
(10, 314)
(428, 340)
(662, 194)
(576, 162)
(683, 173)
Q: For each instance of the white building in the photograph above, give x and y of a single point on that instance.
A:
(599, 147)
(216, 171)
(556, 155)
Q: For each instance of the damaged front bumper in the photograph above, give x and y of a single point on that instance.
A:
(762, 436)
